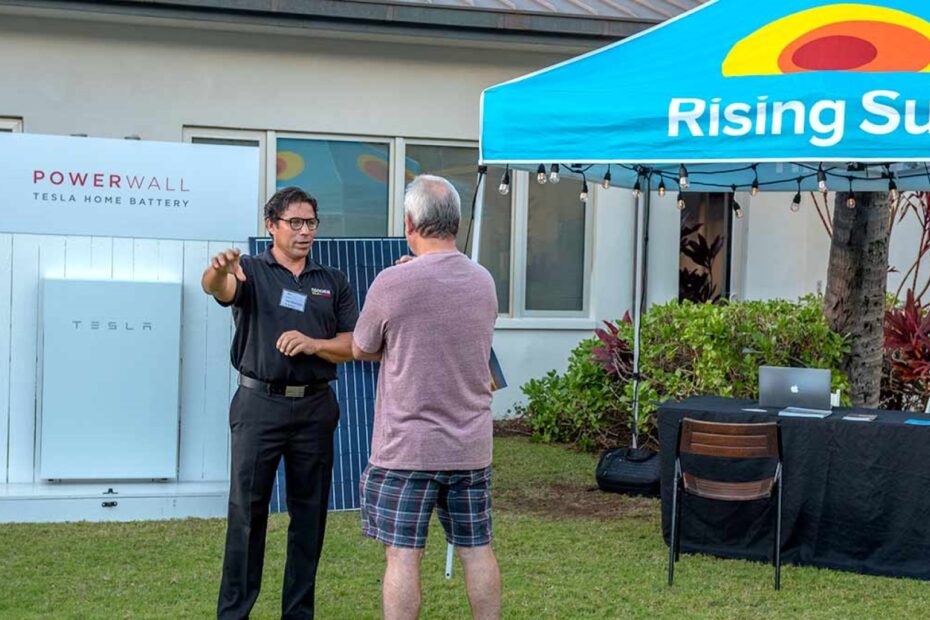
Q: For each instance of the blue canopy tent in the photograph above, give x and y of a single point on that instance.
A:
(735, 95)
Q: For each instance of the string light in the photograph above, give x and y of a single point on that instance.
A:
(737, 210)
(822, 180)
(554, 173)
(808, 172)
(892, 185)
(504, 187)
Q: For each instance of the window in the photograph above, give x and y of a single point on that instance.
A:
(225, 141)
(455, 163)
(349, 179)
(555, 247)
(704, 259)
(535, 241)
(458, 164)
(237, 137)
(11, 125)
(495, 240)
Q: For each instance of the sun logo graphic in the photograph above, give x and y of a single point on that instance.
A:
(835, 37)
(289, 165)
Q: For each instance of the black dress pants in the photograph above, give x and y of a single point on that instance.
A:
(264, 428)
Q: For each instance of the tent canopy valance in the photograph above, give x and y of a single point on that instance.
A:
(738, 91)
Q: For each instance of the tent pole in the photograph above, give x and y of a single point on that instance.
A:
(476, 214)
(639, 294)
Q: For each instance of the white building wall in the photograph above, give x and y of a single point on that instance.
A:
(784, 250)
(788, 253)
(664, 246)
(905, 246)
(116, 80)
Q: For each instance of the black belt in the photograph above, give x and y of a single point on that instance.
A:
(280, 389)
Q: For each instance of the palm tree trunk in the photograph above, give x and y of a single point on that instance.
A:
(854, 303)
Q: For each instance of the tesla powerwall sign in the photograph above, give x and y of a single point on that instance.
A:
(127, 188)
(110, 368)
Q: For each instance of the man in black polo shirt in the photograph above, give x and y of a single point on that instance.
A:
(294, 320)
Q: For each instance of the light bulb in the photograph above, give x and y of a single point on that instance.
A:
(554, 173)
(504, 187)
(755, 187)
(737, 210)
(607, 180)
(796, 203)
(583, 196)
(662, 188)
(681, 202)
(541, 174)
(821, 180)
(682, 177)
(637, 189)
(851, 201)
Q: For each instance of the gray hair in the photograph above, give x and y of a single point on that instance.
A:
(434, 206)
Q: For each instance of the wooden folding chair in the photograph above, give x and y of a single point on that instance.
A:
(715, 439)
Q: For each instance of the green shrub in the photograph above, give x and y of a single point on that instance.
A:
(576, 407)
(687, 349)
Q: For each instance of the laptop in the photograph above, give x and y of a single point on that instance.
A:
(805, 390)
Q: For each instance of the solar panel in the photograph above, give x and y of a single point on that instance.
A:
(361, 260)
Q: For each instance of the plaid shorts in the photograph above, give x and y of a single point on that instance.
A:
(397, 504)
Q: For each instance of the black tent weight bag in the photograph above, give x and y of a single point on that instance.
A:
(631, 471)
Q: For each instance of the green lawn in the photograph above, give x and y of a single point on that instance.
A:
(555, 564)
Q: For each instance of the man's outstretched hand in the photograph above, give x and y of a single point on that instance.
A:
(227, 262)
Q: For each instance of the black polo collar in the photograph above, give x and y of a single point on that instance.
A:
(310, 265)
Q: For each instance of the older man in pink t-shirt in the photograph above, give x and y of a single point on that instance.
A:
(429, 321)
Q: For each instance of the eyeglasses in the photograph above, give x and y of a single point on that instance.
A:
(297, 223)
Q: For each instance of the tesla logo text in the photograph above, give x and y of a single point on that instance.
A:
(113, 326)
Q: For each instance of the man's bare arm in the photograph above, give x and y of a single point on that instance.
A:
(219, 279)
(335, 350)
(363, 355)
(338, 349)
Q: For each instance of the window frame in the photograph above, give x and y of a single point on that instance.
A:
(191, 132)
(12, 124)
(399, 178)
(519, 317)
(515, 288)
(524, 180)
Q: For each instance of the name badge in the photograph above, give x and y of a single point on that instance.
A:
(293, 300)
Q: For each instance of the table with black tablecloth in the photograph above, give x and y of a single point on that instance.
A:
(856, 494)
